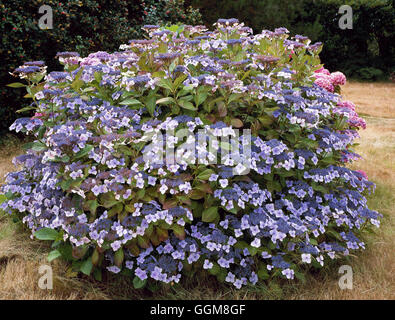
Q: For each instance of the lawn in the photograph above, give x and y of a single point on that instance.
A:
(374, 269)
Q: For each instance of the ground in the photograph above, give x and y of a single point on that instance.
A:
(374, 268)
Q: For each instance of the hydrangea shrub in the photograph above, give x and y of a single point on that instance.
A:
(87, 183)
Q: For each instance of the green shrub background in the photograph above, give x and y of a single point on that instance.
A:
(366, 52)
(84, 26)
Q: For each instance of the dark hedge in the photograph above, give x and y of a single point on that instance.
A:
(83, 26)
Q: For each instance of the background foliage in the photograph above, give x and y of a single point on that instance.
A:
(366, 52)
(82, 26)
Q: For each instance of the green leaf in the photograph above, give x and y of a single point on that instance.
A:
(83, 152)
(151, 104)
(263, 274)
(56, 244)
(116, 209)
(143, 242)
(53, 255)
(9, 195)
(246, 74)
(265, 120)
(201, 97)
(210, 214)
(98, 76)
(237, 123)
(138, 283)
(184, 91)
(178, 231)
(97, 275)
(234, 97)
(64, 159)
(77, 84)
(274, 186)
(206, 174)
(46, 234)
(319, 188)
(179, 81)
(2, 198)
(130, 102)
(16, 85)
(332, 233)
(271, 245)
(28, 108)
(165, 83)
(166, 100)
(187, 105)
(159, 74)
(125, 150)
(162, 47)
(35, 146)
(173, 27)
(329, 160)
(187, 98)
(92, 204)
(66, 184)
(67, 251)
(196, 194)
(86, 267)
(222, 109)
(118, 257)
(108, 200)
(41, 132)
(215, 269)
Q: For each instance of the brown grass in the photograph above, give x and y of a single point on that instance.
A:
(7, 153)
(20, 259)
(374, 269)
(373, 99)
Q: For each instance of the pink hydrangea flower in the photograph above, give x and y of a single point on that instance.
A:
(363, 173)
(37, 115)
(338, 78)
(322, 75)
(347, 105)
(348, 108)
(324, 82)
(357, 122)
(323, 70)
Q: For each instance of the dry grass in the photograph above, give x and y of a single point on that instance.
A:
(373, 99)
(8, 150)
(19, 274)
(374, 269)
